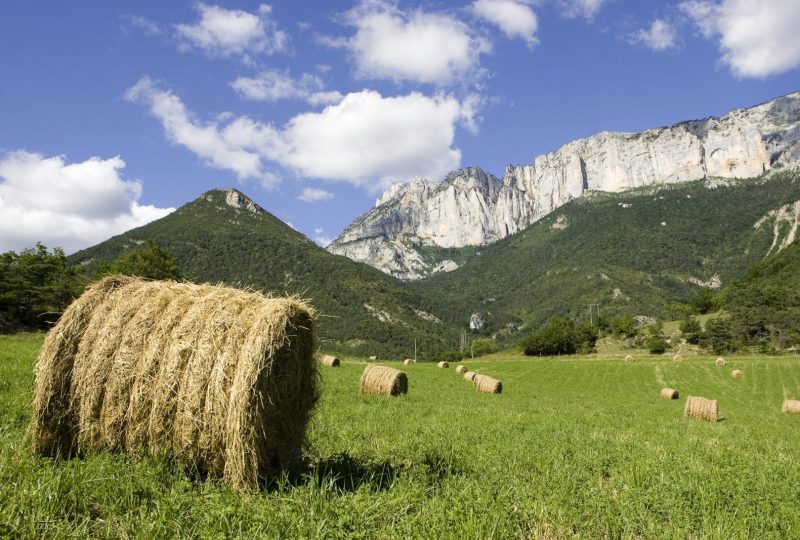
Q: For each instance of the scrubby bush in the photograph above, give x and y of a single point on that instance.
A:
(718, 336)
(561, 336)
(656, 345)
(691, 330)
(482, 346)
(624, 327)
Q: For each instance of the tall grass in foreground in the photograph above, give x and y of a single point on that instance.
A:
(571, 448)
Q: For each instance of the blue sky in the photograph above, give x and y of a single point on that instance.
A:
(114, 112)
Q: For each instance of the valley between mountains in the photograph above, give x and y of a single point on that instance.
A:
(629, 223)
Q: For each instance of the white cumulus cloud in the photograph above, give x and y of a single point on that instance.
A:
(366, 139)
(757, 38)
(419, 46)
(234, 147)
(661, 36)
(275, 85)
(224, 32)
(314, 194)
(320, 238)
(515, 19)
(71, 205)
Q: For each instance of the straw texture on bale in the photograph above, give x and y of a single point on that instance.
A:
(677, 358)
(461, 369)
(701, 409)
(669, 393)
(484, 383)
(384, 381)
(629, 358)
(443, 365)
(408, 362)
(791, 406)
(469, 375)
(737, 374)
(220, 378)
(329, 361)
(720, 362)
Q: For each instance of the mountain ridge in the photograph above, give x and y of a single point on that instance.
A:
(420, 213)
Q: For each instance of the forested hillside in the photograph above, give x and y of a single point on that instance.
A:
(634, 252)
(224, 237)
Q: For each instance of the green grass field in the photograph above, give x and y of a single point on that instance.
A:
(579, 448)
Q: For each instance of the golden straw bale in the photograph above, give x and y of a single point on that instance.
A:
(443, 365)
(677, 358)
(484, 383)
(629, 358)
(383, 380)
(408, 362)
(220, 378)
(701, 409)
(737, 374)
(720, 362)
(329, 360)
(469, 375)
(669, 393)
(791, 406)
(461, 369)
(373, 357)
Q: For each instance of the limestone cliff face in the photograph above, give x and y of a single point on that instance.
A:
(472, 207)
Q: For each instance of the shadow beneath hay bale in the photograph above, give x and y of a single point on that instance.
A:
(345, 473)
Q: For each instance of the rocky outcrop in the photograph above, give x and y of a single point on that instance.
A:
(478, 322)
(472, 207)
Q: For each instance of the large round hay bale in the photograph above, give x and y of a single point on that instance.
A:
(329, 360)
(373, 358)
(218, 377)
(461, 369)
(669, 393)
(469, 375)
(629, 358)
(677, 358)
(384, 381)
(443, 365)
(408, 362)
(791, 406)
(484, 383)
(701, 409)
(720, 362)
(737, 374)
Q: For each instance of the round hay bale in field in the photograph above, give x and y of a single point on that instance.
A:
(443, 365)
(461, 369)
(737, 374)
(220, 378)
(629, 358)
(373, 357)
(669, 393)
(701, 409)
(408, 362)
(720, 362)
(384, 381)
(484, 383)
(791, 406)
(329, 360)
(469, 375)
(677, 358)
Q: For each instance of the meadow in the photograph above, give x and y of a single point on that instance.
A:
(572, 448)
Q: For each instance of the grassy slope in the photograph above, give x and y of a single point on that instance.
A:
(544, 271)
(215, 242)
(573, 448)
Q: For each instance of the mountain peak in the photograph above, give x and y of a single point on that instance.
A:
(233, 198)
